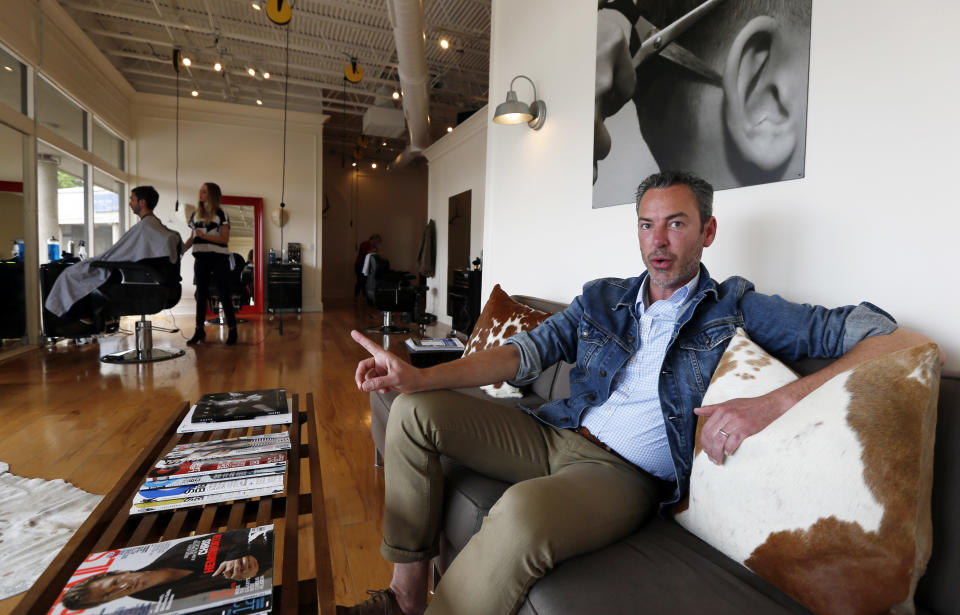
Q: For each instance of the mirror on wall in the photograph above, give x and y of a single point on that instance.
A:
(246, 239)
(458, 242)
(13, 299)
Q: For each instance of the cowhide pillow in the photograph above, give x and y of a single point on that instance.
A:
(501, 317)
(831, 502)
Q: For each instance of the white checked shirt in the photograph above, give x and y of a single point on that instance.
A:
(631, 420)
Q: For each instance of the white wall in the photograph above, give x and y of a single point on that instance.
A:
(874, 218)
(457, 163)
(240, 148)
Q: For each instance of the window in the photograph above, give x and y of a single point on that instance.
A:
(58, 113)
(13, 92)
(108, 202)
(60, 198)
(108, 146)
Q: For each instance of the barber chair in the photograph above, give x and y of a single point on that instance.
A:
(144, 287)
(239, 295)
(13, 300)
(54, 326)
(389, 291)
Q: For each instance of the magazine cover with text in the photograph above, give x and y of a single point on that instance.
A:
(154, 493)
(216, 466)
(185, 575)
(230, 447)
(240, 405)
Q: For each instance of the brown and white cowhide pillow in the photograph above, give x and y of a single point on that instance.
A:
(501, 318)
(831, 502)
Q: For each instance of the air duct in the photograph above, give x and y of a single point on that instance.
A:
(408, 32)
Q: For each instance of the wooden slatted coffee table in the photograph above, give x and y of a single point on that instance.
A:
(111, 526)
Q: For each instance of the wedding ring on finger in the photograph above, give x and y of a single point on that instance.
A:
(723, 434)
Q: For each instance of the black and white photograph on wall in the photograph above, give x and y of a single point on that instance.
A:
(717, 87)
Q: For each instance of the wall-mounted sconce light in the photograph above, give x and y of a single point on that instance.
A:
(513, 111)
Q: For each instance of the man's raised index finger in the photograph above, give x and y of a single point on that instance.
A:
(371, 346)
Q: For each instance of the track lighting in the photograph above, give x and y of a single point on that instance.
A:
(266, 75)
(444, 43)
(373, 165)
(187, 61)
(217, 66)
(194, 93)
(259, 102)
(252, 72)
(255, 5)
(449, 128)
(396, 95)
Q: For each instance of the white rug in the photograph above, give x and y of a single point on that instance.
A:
(37, 518)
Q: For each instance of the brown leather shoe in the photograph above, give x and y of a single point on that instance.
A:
(380, 602)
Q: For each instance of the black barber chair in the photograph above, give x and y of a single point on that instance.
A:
(389, 291)
(144, 287)
(239, 295)
(13, 300)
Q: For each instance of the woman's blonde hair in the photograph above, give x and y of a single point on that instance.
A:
(212, 205)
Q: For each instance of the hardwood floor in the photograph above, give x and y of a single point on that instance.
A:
(67, 415)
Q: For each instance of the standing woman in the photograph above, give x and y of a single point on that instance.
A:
(211, 259)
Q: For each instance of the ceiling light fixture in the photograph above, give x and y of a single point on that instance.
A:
(187, 61)
(259, 102)
(353, 164)
(255, 5)
(266, 75)
(373, 165)
(449, 128)
(396, 95)
(194, 93)
(7, 68)
(384, 143)
(444, 43)
(513, 111)
(217, 66)
(252, 72)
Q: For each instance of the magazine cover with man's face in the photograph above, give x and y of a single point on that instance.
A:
(187, 575)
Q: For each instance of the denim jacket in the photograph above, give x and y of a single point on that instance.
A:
(599, 332)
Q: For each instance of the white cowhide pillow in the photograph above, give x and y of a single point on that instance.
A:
(501, 318)
(831, 502)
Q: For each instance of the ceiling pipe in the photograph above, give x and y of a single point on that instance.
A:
(408, 32)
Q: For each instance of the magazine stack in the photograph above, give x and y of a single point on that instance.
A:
(201, 473)
(225, 573)
(237, 409)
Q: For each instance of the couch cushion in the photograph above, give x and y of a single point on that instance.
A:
(831, 502)
(501, 318)
(662, 568)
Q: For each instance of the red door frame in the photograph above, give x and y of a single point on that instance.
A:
(257, 204)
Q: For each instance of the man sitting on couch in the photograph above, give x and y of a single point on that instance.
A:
(590, 469)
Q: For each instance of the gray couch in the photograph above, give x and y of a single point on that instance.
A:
(664, 569)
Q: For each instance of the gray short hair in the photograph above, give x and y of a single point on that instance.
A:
(701, 189)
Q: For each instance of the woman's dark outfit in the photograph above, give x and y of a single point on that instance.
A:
(211, 262)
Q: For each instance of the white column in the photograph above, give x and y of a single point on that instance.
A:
(47, 223)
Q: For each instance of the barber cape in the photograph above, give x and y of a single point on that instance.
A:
(148, 238)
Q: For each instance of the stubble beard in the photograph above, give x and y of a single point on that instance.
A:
(687, 271)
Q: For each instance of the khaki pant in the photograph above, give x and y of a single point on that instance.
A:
(570, 496)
